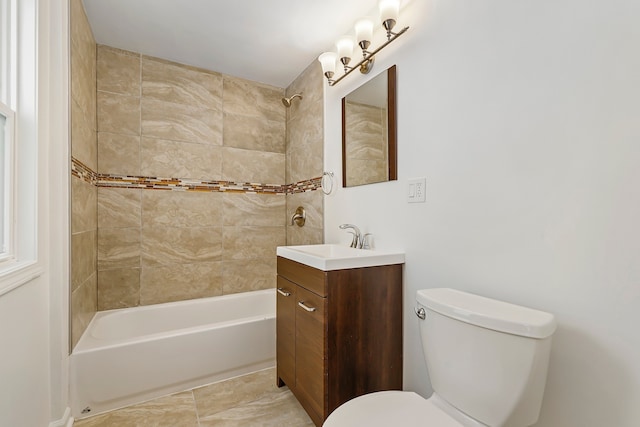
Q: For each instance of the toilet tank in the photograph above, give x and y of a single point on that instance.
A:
(486, 358)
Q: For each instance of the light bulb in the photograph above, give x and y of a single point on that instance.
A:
(389, 10)
(328, 61)
(345, 49)
(364, 32)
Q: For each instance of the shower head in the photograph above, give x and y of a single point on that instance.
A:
(287, 101)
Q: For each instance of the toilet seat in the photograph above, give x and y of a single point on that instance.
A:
(390, 408)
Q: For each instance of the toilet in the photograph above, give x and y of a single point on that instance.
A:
(487, 361)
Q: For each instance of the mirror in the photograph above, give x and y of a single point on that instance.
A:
(369, 132)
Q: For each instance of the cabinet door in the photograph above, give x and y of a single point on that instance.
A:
(310, 350)
(286, 332)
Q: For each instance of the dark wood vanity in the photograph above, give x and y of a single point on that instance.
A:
(339, 333)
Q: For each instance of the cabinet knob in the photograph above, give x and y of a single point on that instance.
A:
(306, 307)
(283, 292)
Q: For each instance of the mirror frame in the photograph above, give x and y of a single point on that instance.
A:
(392, 144)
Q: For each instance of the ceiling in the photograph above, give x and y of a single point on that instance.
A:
(266, 41)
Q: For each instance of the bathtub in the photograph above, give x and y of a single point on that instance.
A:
(135, 354)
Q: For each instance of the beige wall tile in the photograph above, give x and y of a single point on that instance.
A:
(83, 307)
(119, 207)
(304, 236)
(307, 111)
(83, 87)
(83, 75)
(176, 282)
(118, 154)
(168, 81)
(254, 133)
(118, 71)
(305, 141)
(83, 136)
(224, 395)
(118, 248)
(305, 132)
(83, 148)
(246, 243)
(118, 113)
(253, 166)
(176, 122)
(313, 204)
(119, 288)
(84, 203)
(181, 209)
(247, 98)
(174, 159)
(168, 245)
(306, 163)
(311, 84)
(253, 209)
(84, 247)
(304, 148)
(287, 174)
(248, 275)
(80, 30)
(83, 59)
(176, 410)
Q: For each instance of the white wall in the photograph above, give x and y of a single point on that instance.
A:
(525, 119)
(54, 197)
(24, 361)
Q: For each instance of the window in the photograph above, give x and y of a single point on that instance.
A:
(18, 143)
(7, 114)
(6, 184)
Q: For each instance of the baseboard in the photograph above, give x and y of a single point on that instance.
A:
(65, 421)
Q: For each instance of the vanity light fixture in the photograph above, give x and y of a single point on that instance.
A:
(389, 10)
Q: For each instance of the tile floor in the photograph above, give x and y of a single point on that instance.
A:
(247, 401)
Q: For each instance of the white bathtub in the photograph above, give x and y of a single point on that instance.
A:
(135, 354)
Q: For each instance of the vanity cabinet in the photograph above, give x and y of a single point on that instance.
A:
(339, 333)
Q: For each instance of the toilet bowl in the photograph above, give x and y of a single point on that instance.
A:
(468, 342)
(397, 408)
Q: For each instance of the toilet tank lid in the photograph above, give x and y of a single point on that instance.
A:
(488, 313)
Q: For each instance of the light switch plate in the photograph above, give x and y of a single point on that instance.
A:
(416, 190)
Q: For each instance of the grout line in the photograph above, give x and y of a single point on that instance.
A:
(195, 406)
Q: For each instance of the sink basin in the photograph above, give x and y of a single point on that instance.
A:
(329, 257)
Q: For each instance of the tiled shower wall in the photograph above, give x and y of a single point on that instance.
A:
(305, 145)
(139, 119)
(84, 225)
(161, 119)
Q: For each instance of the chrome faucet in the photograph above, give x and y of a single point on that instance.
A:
(357, 237)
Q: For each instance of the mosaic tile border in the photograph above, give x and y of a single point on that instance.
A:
(82, 171)
(85, 173)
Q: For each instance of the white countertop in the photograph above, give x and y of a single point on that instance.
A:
(329, 257)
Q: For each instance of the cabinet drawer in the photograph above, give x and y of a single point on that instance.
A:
(308, 277)
(310, 349)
